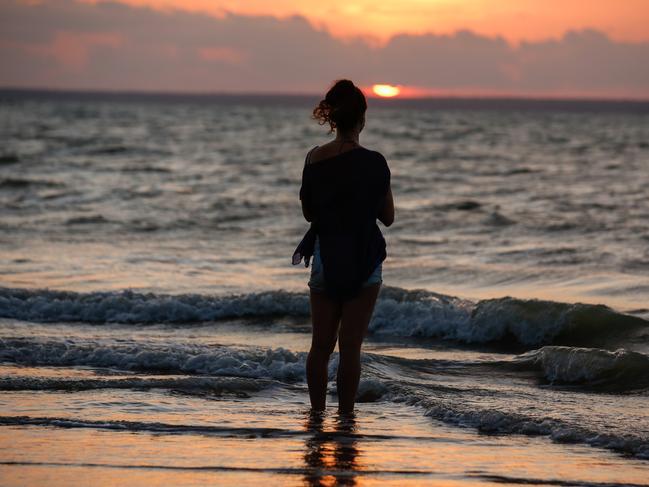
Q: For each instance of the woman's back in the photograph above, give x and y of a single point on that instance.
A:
(345, 192)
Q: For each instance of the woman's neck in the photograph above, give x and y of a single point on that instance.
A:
(350, 137)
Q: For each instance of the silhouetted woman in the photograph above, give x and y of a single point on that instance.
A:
(345, 188)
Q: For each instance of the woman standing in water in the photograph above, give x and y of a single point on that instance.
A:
(345, 188)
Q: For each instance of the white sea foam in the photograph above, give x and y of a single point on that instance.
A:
(279, 364)
(132, 307)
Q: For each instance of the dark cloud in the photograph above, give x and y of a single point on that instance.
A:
(463, 60)
(64, 44)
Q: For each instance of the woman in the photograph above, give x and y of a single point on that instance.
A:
(345, 188)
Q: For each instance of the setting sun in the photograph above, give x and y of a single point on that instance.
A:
(387, 91)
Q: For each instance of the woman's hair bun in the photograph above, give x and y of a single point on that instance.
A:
(343, 106)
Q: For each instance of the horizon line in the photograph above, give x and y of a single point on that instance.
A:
(307, 94)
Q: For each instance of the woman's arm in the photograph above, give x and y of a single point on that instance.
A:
(304, 189)
(306, 213)
(386, 216)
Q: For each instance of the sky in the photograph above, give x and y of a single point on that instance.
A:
(554, 48)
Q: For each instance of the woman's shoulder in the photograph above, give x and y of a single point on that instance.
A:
(376, 158)
(324, 152)
(377, 155)
(309, 155)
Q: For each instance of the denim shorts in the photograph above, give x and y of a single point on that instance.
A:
(317, 283)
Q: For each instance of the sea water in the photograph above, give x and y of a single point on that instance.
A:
(154, 331)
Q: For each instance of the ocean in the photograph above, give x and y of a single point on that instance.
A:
(153, 330)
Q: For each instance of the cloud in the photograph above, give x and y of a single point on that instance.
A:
(463, 60)
(225, 54)
(66, 44)
(71, 49)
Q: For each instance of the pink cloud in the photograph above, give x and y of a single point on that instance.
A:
(223, 54)
(72, 49)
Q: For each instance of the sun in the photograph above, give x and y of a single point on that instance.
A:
(386, 91)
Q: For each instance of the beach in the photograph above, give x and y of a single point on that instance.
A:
(153, 330)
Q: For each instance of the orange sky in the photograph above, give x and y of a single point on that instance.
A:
(516, 20)
(598, 51)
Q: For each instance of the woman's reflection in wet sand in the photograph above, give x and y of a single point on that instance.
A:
(331, 456)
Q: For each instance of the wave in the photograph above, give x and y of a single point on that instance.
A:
(221, 370)
(453, 412)
(9, 159)
(142, 168)
(497, 219)
(258, 363)
(621, 369)
(539, 322)
(207, 429)
(109, 150)
(528, 322)
(464, 205)
(87, 220)
(20, 183)
(132, 307)
(398, 312)
(147, 427)
(263, 470)
(204, 386)
(495, 421)
(557, 482)
(119, 149)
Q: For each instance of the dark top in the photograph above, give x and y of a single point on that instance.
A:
(344, 194)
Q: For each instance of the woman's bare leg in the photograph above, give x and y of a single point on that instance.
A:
(356, 314)
(325, 316)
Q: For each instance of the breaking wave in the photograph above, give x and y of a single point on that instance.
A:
(132, 307)
(621, 369)
(398, 313)
(258, 363)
